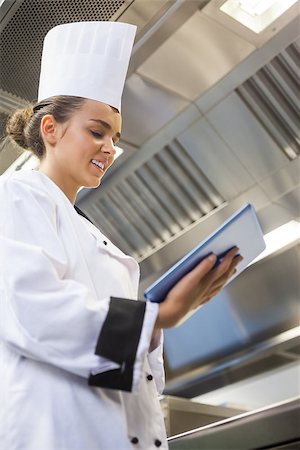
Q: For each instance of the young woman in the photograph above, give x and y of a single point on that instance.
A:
(81, 358)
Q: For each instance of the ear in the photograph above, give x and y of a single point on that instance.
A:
(49, 129)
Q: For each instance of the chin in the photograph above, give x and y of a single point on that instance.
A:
(94, 184)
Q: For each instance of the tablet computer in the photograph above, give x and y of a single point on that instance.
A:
(241, 230)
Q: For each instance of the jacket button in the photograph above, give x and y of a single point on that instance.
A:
(149, 377)
(134, 440)
(157, 443)
(104, 242)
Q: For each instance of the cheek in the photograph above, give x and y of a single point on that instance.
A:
(80, 147)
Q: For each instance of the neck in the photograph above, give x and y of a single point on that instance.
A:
(69, 188)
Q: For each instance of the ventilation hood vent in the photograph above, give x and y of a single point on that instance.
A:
(272, 94)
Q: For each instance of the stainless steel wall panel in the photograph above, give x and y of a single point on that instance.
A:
(221, 166)
(279, 215)
(291, 201)
(248, 139)
(150, 109)
(283, 181)
(195, 57)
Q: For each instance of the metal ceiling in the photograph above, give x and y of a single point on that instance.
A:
(211, 120)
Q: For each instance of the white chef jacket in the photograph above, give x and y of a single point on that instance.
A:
(75, 367)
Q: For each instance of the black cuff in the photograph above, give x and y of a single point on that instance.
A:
(118, 341)
(120, 379)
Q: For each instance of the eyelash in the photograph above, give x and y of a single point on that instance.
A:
(96, 134)
(100, 135)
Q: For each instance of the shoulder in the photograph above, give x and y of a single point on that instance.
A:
(24, 184)
(28, 179)
(25, 193)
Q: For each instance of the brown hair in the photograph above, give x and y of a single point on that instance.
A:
(23, 126)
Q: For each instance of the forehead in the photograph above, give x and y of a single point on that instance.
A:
(92, 109)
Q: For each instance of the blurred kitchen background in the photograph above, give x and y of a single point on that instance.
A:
(210, 122)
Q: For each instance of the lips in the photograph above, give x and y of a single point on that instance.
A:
(98, 164)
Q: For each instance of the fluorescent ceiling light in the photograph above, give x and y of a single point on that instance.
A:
(256, 14)
(279, 238)
(256, 7)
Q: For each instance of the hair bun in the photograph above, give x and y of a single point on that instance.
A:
(16, 126)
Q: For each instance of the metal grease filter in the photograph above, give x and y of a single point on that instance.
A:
(21, 40)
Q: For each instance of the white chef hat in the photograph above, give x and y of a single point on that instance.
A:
(87, 59)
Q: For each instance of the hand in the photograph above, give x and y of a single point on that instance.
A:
(197, 288)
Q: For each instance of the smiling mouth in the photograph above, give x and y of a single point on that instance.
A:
(100, 165)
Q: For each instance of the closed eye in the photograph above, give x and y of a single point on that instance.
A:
(97, 134)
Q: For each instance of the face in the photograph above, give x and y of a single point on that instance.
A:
(84, 147)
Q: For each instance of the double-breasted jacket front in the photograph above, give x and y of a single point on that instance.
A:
(75, 367)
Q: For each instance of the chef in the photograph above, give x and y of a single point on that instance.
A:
(80, 357)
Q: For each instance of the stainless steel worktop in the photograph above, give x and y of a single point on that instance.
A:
(182, 415)
(273, 427)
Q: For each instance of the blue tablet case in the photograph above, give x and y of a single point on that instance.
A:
(242, 230)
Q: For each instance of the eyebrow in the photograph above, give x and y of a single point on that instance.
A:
(106, 125)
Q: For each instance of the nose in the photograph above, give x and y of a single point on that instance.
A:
(108, 148)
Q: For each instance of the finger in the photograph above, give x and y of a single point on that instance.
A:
(233, 253)
(202, 269)
(235, 261)
(231, 259)
(217, 287)
(224, 265)
(223, 278)
(220, 282)
(195, 276)
(212, 293)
